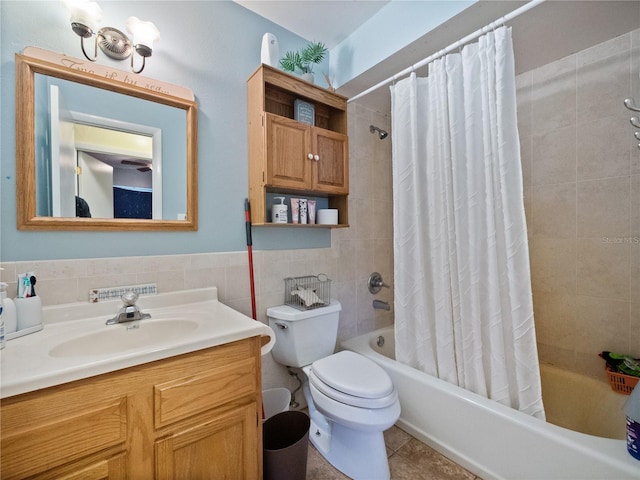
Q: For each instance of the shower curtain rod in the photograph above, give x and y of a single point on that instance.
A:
(472, 36)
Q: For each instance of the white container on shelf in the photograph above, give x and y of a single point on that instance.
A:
(327, 216)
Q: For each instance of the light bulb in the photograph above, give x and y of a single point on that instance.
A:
(84, 13)
(144, 34)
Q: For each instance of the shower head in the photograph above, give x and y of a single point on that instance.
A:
(381, 133)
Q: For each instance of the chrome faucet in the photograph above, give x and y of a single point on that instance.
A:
(129, 311)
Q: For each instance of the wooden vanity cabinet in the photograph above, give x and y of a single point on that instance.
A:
(194, 416)
(291, 157)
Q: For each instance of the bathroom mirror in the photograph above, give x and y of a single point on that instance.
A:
(121, 150)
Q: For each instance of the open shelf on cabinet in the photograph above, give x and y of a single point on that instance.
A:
(337, 202)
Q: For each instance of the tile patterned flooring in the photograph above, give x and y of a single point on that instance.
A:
(409, 459)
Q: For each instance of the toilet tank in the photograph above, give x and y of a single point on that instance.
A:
(303, 336)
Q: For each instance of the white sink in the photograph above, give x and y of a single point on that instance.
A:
(75, 343)
(125, 336)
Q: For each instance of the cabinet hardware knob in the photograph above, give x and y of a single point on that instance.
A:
(316, 157)
(310, 156)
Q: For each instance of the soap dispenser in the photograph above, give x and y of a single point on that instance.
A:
(2, 334)
(8, 311)
(2, 339)
(279, 211)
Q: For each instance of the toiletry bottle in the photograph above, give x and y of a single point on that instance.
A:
(9, 311)
(632, 411)
(295, 203)
(303, 210)
(2, 340)
(279, 211)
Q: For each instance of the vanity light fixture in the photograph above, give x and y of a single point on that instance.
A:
(115, 44)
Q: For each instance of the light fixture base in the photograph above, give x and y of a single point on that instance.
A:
(81, 30)
(143, 50)
(114, 43)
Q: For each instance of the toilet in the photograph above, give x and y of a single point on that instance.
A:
(351, 399)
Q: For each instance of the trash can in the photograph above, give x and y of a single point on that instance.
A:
(275, 400)
(285, 440)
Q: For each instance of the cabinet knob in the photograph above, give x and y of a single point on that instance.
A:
(316, 157)
(310, 156)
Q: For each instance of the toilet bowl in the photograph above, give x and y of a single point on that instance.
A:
(351, 399)
(348, 388)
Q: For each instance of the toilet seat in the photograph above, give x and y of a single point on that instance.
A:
(361, 419)
(353, 379)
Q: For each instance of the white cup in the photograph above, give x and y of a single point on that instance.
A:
(28, 312)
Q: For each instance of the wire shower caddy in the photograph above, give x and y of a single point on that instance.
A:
(307, 292)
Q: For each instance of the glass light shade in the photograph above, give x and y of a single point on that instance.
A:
(144, 33)
(84, 12)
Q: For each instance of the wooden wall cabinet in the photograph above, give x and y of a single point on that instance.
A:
(291, 157)
(195, 416)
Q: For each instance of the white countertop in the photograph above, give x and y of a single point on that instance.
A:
(26, 363)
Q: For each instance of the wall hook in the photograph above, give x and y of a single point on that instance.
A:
(630, 104)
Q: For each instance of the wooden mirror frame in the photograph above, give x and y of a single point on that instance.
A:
(26, 68)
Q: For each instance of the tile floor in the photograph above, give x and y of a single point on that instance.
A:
(409, 459)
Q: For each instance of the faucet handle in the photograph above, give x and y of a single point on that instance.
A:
(375, 283)
(129, 298)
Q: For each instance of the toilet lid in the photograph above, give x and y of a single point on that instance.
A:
(353, 374)
(352, 400)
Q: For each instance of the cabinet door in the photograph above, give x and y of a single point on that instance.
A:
(108, 469)
(57, 429)
(331, 165)
(226, 447)
(288, 147)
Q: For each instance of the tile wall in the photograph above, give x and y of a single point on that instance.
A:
(355, 253)
(582, 197)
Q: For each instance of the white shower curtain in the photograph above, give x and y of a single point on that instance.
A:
(463, 306)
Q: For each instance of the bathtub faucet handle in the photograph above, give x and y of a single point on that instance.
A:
(375, 283)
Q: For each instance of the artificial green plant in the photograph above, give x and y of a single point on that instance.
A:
(304, 58)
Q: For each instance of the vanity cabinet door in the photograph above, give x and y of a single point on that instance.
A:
(225, 446)
(56, 432)
(107, 469)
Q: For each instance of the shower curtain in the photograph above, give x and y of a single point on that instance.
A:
(463, 306)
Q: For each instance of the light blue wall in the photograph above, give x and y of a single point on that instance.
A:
(211, 47)
(392, 28)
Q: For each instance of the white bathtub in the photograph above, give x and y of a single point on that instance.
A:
(487, 438)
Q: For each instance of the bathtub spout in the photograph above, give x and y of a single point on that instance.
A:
(380, 305)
